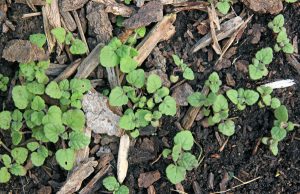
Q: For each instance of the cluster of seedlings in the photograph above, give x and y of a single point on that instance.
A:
(45, 112)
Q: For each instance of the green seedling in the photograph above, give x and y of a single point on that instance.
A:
(3, 82)
(277, 24)
(281, 127)
(258, 68)
(242, 97)
(78, 47)
(290, 1)
(213, 82)
(13, 166)
(266, 98)
(183, 159)
(38, 39)
(138, 33)
(112, 185)
(283, 43)
(187, 71)
(223, 6)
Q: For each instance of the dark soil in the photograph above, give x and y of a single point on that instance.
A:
(279, 174)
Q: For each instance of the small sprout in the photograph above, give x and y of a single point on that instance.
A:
(5, 119)
(213, 82)
(227, 128)
(118, 97)
(136, 78)
(242, 97)
(174, 78)
(168, 106)
(153, 83)
(277, 24)
(187, 71)
(223, 6)
(3, 82)
(258, 68)
(283, 43)
(196, 99)
(182, 158)
(111, 184)
(38, 39)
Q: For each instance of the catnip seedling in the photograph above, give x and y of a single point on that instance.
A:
(266, 98)
(187, 71)
(112, 185)
(183, 159)
(258, 68)
(242, 97)
(223, 6)
(281, 127)
(3, 82)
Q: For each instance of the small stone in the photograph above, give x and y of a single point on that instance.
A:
(222, 64)
(181, 93)
(242, 66)
(229, 80)
(45, 190)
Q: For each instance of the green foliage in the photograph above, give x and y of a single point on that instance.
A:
(153, 83)
(182, 158)
(223, 6)
(65, 158)
(290, 1)
(242, 97)
(5, 119)
(38, 39)
(78, 47)
(266, 98)
(187, 71)
(118, 97)
(3, 82)
(283, 43)
(258, 68)
(32, 70)
(280, 129)
(277, 24)
(111, 184)
(213, 82)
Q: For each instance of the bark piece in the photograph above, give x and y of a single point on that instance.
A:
(45, 190)
(52, 12)
(147, 179)
(227, 29)
(264, 6)
(71, 5)
(149, 13)
(69, 20)
(99, 116)
(75, 180)
(99, 24)
(67, 72)
(181, 93)
(33, 2)
(23, 51)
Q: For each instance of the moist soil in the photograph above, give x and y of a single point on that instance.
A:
(219, 169)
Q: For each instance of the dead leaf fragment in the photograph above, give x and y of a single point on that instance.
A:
(148, 178)
(122, 164)
(149, 13)
(23, 51)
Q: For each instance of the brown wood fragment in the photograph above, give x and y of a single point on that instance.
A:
(83, 154)
(74, 181)
(33, 2)
(173, 2)
(293, 62)
(68, 20)
(55, 69)
(116, 8)
(145, 180)
(192, 113)
(67, 72)
(81, 32)
(149, 13)
(196, 188)
(227, 29)
(52, 12)
(47, 29)
(92, 184)
(187, 6)
(214, 23)
(158, 32)
(151, 190)
(71, 5)
(88, 65)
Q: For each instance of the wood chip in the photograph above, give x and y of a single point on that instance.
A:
(147, 179)
(71, 5)
(23, 51)
(116, 8)
(214, 23)
(227, 29)
(181, 93)
(99, 117)
(151, 190)
(122, 164)
(75, 180)
(149, 13)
